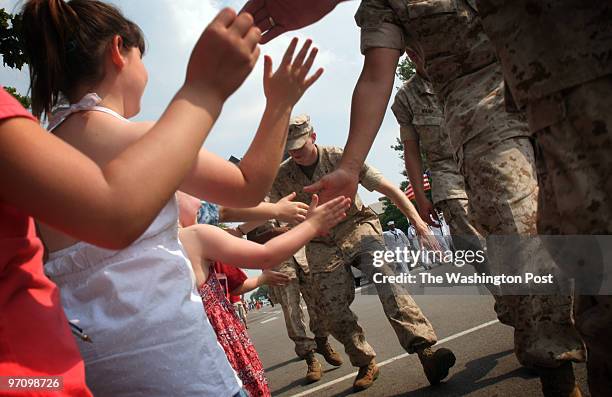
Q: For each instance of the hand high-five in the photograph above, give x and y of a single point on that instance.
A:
(275, 17)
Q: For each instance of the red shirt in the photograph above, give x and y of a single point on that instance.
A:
(230, 278)
(35, 339)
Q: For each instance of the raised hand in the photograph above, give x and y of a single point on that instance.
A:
(337, 183)
(278, 16)
(274, 278)
(328, 215)
(291, 80)
(224, 55)
(291, 211)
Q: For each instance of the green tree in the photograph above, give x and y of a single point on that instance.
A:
(260, 293)
(11, 49)
(405, 69)
(26, 102)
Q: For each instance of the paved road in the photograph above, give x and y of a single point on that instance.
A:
(485, 366)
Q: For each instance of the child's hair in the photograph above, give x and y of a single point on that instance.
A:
(65, 42)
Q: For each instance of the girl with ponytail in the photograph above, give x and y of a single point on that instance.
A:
(139, 305)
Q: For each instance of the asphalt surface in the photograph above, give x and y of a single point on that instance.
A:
(486, 365)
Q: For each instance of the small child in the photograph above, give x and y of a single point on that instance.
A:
(209, 246)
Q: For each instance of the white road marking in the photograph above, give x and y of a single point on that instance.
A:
(392, 359)
(268, 320)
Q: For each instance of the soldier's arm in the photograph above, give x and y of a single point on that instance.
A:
(393, 193)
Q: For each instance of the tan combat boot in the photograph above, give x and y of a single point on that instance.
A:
(559, 382)
(328, 352)
(366, 376)
(436, 363)
(315, 371)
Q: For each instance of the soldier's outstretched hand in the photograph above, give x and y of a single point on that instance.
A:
(327, 215)
(275, 17)
(287, 85)
(337, 183)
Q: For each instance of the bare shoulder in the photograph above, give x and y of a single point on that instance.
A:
(99, 135)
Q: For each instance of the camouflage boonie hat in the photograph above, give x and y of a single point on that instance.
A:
(299, 132)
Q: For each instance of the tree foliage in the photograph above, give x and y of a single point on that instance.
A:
(11, 47)
(405, 69)
(11, 50)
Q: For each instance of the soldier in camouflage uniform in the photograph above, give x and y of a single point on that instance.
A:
(493, 150)
(353, 242)
(556, 58)
(289, 298)
(420, 117)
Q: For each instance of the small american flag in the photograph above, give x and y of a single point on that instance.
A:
(426, 186)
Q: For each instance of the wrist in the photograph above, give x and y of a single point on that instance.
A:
(204, 97)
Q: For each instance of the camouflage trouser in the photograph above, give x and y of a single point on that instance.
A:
(335, 291)
(574, 136)
(503, 193)
(288, 297)
(466, 237)
(357, 248)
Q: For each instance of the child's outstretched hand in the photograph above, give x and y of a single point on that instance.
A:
(328, 215)
(290, 81)
(224, 55)
(271, 277)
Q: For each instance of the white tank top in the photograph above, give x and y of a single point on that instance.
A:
(141, 308)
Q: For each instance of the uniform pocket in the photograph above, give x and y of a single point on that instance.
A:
(427, 8)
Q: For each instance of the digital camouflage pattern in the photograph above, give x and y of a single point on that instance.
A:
(420, 117)
(289, 297)
(538, 62)
(491, 147)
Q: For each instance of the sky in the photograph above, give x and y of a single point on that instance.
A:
(171, 29)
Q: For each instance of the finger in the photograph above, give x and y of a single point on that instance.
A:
(302, 211)
(309, 61)
(314, 188)
(225, 17)
(289, 52)
(302, 206)
(254, 57)
(300, 218)
(290, 196)
(312, 79)
(253, 6)
(267, 67)
(299, 60)
(252, 37)
(242, 24)
(314, 202)
(271, 34)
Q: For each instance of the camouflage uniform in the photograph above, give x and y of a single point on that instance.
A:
(492, 147)
(289, 297)
(352, 242)
(420, 117)
(563, 79)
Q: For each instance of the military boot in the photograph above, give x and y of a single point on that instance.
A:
(436, 363)
(366, 376)
(559, 382)
(328, 352)
(315, 371)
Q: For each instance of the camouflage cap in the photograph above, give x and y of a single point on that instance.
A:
(299, 132)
